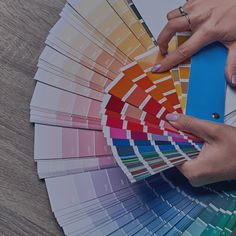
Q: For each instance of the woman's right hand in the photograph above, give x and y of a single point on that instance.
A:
(217, 160)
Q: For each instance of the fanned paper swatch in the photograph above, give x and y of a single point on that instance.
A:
(102, 143)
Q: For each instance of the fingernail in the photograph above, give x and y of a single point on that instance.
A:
(156, 68)
(233, 80)
(172, 117)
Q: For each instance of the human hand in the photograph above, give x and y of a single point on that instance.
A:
(217, 160)
(211, 21)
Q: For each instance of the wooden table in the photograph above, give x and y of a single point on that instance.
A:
(24, 205)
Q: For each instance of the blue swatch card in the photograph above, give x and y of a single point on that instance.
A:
(207, 84)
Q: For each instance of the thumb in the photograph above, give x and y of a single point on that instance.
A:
(230, 69)
(202, 129)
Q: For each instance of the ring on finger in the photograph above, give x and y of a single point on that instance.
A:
(185, 14)
(189, 21)
(182, 12)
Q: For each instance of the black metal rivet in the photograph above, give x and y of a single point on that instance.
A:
(215, 115)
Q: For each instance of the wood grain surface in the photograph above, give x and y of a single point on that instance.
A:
(24, 206)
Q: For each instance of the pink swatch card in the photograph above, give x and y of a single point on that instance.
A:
(53, 142)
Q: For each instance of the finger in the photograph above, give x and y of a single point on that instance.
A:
(230, 69)
(196, 171)
(189, 168)
(173, 14)
(198, 40)
(203, 129)
(176, 25)
(204, 169)
(176, 13)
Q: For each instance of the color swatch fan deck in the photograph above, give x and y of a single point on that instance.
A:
(102, 143)
(134, 112)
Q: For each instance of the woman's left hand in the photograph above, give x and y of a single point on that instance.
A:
(217, 160)
(209, 21)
